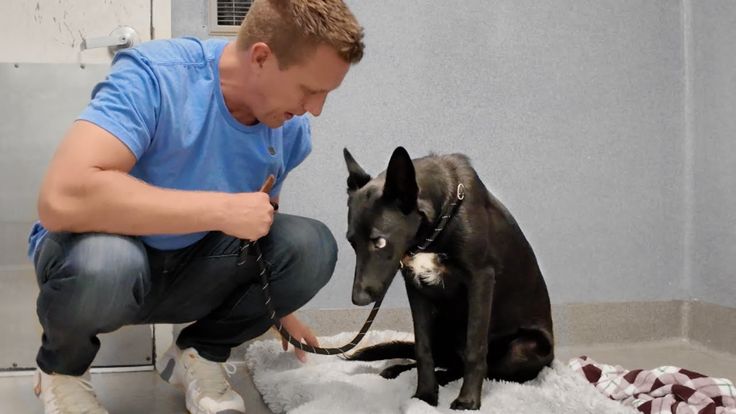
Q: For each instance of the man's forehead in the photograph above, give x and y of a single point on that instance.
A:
(326, 69)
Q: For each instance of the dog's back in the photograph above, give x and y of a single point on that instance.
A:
(489, 234)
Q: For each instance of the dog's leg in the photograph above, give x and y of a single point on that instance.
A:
(520, 357)
(421, 314)
(480, 297)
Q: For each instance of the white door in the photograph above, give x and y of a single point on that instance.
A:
(46, 76)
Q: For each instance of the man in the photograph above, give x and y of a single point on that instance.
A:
(147, 197)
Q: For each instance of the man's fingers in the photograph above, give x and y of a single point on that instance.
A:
(300, 355)
(311, 339)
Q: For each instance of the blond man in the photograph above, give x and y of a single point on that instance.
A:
(148, 195)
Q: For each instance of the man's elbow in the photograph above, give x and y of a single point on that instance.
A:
(52, 214)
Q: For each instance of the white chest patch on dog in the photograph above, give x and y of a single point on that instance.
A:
(426, 268)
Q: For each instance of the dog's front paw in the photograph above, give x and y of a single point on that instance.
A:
(428, 397)
(465, 404)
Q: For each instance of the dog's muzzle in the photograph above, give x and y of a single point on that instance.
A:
(362, 298)
(364, 295)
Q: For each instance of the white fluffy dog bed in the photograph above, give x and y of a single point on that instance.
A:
(328, 384)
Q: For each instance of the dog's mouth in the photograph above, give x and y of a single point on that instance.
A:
(362, 297)
(373, 276)
(365, 295)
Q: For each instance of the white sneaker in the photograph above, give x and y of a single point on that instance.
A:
(66, 394)
(204, 382)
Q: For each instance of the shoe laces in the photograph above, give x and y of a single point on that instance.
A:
(73, 394)
(210, 376)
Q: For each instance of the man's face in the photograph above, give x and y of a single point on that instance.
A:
(301, 87)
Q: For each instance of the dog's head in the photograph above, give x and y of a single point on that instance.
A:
(383, 220)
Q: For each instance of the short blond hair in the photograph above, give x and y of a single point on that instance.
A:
(294, 28)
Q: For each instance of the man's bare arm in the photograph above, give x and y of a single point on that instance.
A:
(87, 188)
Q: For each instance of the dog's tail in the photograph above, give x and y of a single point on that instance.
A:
(388, 350)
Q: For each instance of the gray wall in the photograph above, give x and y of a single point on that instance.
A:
(189, 18)
(714, 162)
(576, 114)
(571, 111)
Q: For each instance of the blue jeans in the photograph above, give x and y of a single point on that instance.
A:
(92, 283)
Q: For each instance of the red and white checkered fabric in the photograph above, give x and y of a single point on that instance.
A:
(663, 390)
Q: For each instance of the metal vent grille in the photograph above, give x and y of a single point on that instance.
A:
(226, 15)
(232, 12)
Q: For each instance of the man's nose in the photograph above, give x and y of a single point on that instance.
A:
(314, 104)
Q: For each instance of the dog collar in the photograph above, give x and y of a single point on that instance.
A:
(448, 212)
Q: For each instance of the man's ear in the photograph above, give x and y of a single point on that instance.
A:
(259, 52)
(401, 182)
(357, 178)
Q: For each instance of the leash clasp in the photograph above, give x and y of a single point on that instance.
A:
(460, 191)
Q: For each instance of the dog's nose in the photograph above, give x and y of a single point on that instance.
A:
(361, 298)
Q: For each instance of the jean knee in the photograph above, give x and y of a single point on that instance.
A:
(101, 276)
(316, 250)
(112, 263)
(327, 256)
(303, 253)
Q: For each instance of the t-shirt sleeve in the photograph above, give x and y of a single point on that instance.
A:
(127, 102)
(298, 135)
(301, 136)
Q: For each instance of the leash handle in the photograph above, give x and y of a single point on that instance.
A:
(265, 188)
(268, 184)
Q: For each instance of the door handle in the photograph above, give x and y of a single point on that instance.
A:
(120, 38)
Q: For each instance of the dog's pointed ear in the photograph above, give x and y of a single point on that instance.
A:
(401, 182)
(357, 177)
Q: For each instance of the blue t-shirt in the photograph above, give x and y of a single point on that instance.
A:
(163, 100)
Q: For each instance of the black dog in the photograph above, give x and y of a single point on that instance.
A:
(478, 301)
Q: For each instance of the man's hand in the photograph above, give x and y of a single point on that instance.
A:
(248, 215)
(300, 332)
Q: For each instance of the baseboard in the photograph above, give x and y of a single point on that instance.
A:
(712, 326)
(624, 322)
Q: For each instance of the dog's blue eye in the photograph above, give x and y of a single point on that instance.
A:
(379, 242)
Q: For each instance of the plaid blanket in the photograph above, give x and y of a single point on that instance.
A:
(662, 390)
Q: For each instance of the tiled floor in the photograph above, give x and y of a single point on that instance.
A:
(144, 392)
